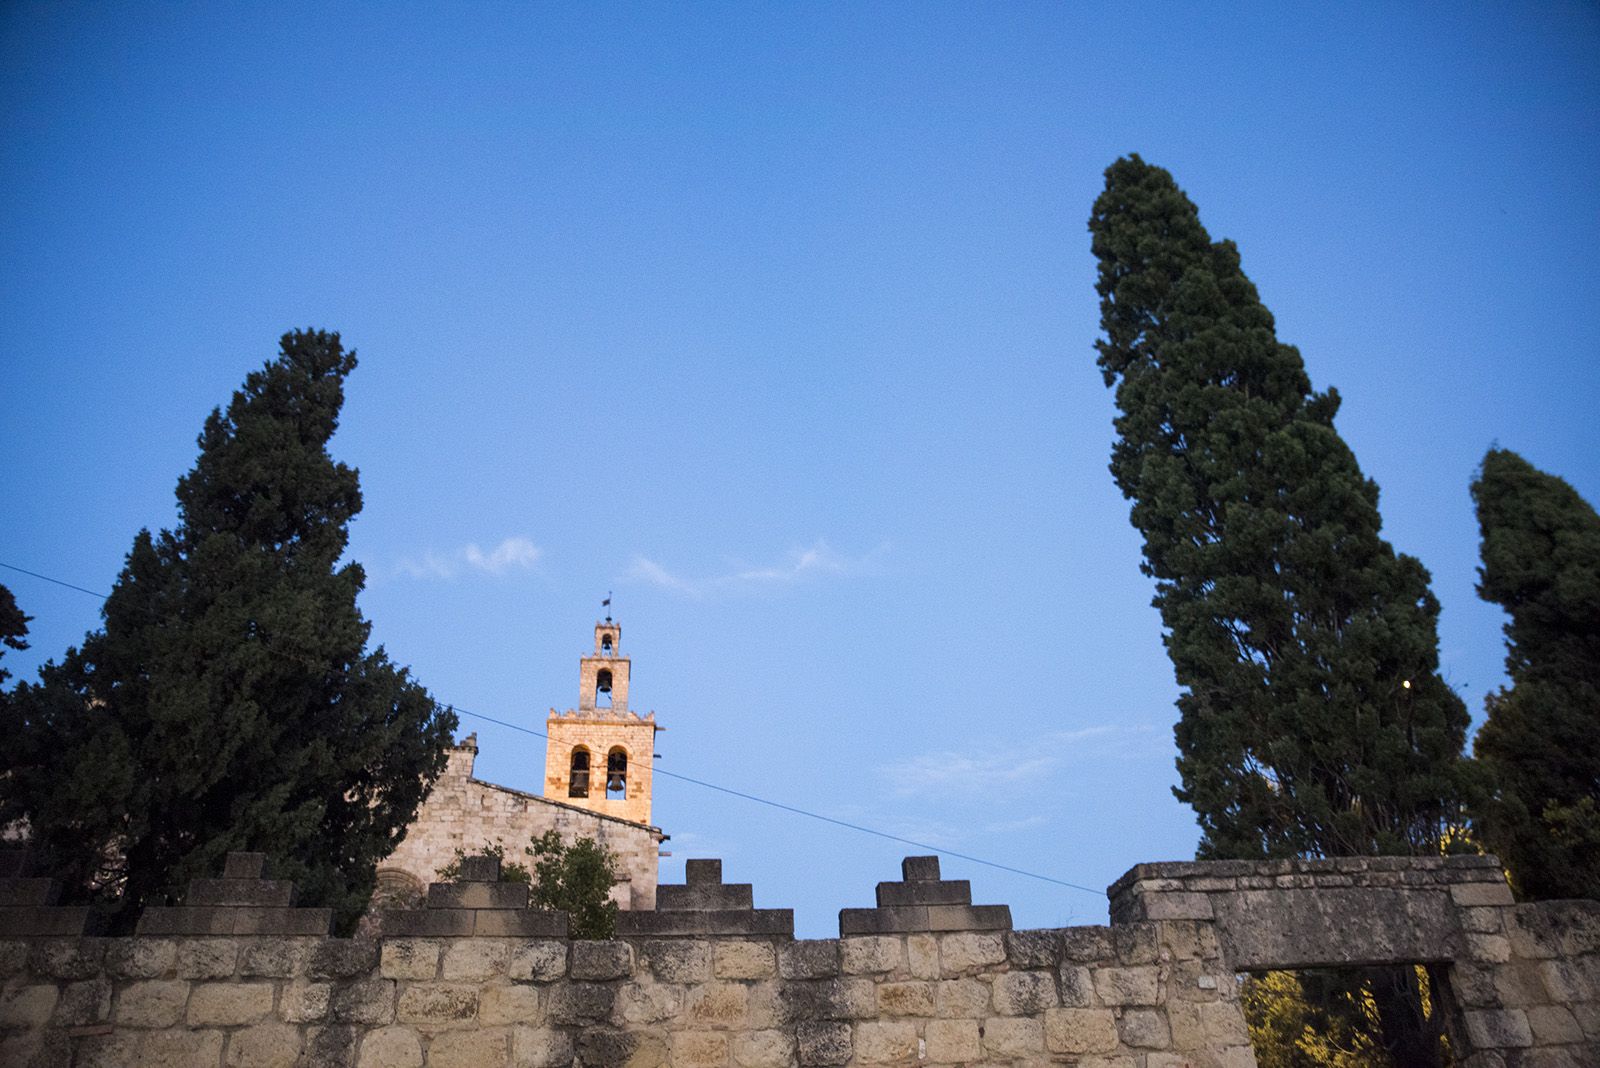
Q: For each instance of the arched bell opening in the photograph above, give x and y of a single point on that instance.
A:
(578, 780)
(617, 775)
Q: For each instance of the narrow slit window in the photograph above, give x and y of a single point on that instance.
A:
(578, 781)
(617, 775)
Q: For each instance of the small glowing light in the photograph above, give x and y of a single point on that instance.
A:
(1406, 684)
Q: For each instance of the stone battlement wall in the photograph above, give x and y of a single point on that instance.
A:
(708, 981)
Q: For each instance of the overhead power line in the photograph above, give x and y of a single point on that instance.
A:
(792, 809)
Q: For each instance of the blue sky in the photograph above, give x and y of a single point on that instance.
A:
(776, 320)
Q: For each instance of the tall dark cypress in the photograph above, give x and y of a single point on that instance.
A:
(230, 701)
(1312, 720)
(1541, 740)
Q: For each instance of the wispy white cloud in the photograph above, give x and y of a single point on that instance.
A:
(999, 770)
(797, 565)
(513, 554)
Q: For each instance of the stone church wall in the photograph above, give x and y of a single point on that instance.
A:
(462, 812)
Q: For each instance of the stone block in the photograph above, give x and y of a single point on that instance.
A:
(410, 958)
(920, 869)
(778, 923)
(18, 892)
(1010, 1037)
(866, 955)
(229, 1004)
(717, 1006)
(140, 958)
(180, 1049)
(763, 1049)
(922, 956)
(475, 959)
(13, 956)
(744, 960)
(186, 920)
(437, 1004)
(828, 999)
(1024, 993)
(68, 958)
(520, 923)
(244, 866)
(273, 958)
(897, 920)
(1467, 894)
(952, 892)
(607, 1047)
(83, 1003)
(259, 893)
(1553, 1025)
(305, 1002)
(809, 959)
(341, 958)
(649, 1002)
(1175, 906)
(1144, 1029)
(678, 961)
(601, 960)
(390, 1047)
(675, 898)
(268, 1045)
(541, 960)
(478, 1048)
(426, 923)
(906, 999)
(580, 1003)
(1087, 945)
(366, 1001)
(1489, 948)
(119, 1049)
(25, 921)
(953, 1041)
(822, 1044)
(330, 1046)
(1136, 943)
(885, 1043)
(1033, 949)
(282, 921)
(1128, 986)
(1224, 1024)
(1080, 1030)
(963, 953)
(540, 1047)
(151, 1003)
(1264, 929)
(699, 1049)
(481, 868)
(1497, 1029)
(961, 998)
(515, 1003)
(28, 1007)
(476, 895)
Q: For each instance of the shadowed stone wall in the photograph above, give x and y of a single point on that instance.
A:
(238, 977)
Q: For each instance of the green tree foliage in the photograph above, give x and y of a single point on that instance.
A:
(576, 878)
(229, 702)
(13, 628)
(1541, 741)
(1312, 717)
(1319, 1018)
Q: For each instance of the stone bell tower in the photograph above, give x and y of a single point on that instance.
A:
(599, 755)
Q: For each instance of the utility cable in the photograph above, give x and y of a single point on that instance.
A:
(700, 782)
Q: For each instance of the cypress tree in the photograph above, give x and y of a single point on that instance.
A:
(1541, 740)
(1312, 720)
(229, 701)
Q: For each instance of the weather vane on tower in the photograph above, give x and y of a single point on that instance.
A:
(606, 604)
